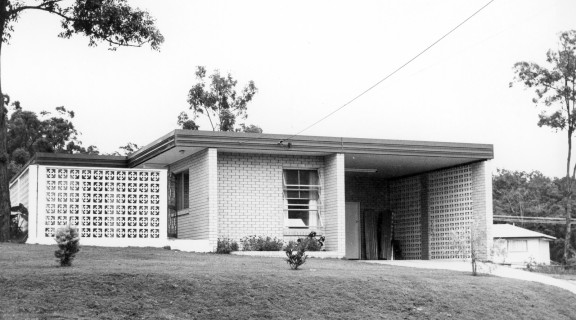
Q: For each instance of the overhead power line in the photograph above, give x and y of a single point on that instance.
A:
(393, 72)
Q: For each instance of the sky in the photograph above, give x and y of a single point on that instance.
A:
(308, 58)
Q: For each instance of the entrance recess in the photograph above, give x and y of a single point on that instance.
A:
(352, 230)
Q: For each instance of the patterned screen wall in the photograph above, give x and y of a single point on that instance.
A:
(405, 202)
(104, 203)
(450, 210)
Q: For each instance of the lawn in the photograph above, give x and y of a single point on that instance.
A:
(113, 283)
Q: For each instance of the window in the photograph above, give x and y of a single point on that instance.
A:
(182, 188)
(301, 195)
(517, 245)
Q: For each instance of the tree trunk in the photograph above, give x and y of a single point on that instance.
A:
(4, 181)
(568, 200)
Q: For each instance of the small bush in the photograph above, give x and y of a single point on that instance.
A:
(68, 245)
(295, 258)
(531, 264)
(226, 246)
(310, 243)
(259, 243)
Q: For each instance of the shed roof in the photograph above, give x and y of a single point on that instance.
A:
(511, 231)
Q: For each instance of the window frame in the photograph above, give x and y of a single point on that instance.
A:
(313, 205)
(515, 248)
(182, 192)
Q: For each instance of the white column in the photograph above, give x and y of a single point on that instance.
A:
(212, 158)
(335, 204)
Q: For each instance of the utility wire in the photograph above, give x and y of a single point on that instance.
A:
(392, 73)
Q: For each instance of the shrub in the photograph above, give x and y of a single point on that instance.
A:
(295, 258)
(531, 264)
(259, 243)
(310, 243)
(226, 246)
(68, 245)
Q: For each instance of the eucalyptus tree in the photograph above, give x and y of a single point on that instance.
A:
(215, 96)
(113, 22)
(555, 88)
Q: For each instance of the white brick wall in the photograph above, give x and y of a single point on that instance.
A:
(200, 222)
(482, 205)
(335, 204)
(250, 195)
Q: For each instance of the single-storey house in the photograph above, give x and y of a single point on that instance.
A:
(370, 198)
(517, 245)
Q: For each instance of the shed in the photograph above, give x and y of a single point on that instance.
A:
(517, 245)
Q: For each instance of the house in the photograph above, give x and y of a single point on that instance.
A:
(189, 188)
(518, 245)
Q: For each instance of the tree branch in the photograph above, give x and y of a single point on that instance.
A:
(42, 6)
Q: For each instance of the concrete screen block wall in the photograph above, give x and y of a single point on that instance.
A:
(450, 211)
(110, 206)
(405, 201)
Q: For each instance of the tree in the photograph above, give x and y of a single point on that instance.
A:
(110, 21)
(125, 150)
(519, 193)
(28, 134)
(555, 88)
(219, 101)
(531, 194)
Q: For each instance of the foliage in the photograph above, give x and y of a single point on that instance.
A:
(68, 245)
(126, 150)
(555, 89)
(520, 193)
(226, 246)
(28, 134)
(531, 264)
(259, 243)
(249, 129)
(310, 243)
(556, 269)
(467, 242)
(110, 21)
(19, 224)
(499, 251)
(295, 258)
(531, 194)
(216, 97)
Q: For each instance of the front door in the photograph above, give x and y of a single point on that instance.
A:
(352, 230)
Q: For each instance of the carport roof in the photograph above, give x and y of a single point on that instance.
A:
(388, 157)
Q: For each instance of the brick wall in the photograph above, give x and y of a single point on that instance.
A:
(250, 194)
(199, 221)
(335, 204)
(482, 206)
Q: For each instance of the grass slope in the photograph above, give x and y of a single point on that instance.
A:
(114, 283)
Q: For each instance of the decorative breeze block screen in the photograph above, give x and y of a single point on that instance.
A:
(450, 210)
(102, 203)
(405, 202)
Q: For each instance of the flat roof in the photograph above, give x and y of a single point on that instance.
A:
(386, 158)
(311, 145)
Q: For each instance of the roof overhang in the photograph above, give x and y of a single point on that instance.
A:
(388, 158)
(79, 160)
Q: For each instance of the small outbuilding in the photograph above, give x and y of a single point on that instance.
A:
(517, 245)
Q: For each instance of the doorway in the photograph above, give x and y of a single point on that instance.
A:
(352, 226)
